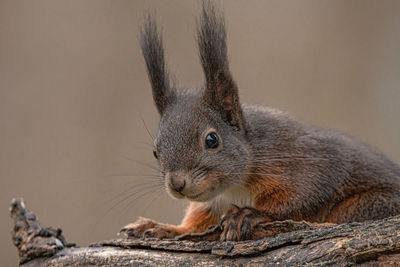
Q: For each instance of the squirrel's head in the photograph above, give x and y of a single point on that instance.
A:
(201, 143)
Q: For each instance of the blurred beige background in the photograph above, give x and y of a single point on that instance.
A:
(73, 92)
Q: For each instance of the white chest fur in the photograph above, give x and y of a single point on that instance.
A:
(236, 195)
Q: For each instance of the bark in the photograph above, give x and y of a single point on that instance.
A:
(372, 243)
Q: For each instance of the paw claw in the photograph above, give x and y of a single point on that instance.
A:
(127, 231)
(223, 219)
(147, 234)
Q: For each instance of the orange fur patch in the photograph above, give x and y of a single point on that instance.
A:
(197, 219)
(272, 194)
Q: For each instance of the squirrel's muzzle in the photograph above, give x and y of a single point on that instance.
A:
(180, 184)
(176, 183)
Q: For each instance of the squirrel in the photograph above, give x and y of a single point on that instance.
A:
(248, 163)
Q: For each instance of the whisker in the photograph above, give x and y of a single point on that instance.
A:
(128, 175)
(144, 194)
(147, 129)
(147, 144)
(199, 172)
(135, 188)
(151, 202)
(129, 195)
(142, 163)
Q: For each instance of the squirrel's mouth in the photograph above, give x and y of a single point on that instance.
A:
(205, 195)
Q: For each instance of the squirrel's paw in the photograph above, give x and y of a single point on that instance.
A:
(238, 223)
(147, 228)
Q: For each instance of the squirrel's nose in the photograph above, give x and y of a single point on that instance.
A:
(177, 184)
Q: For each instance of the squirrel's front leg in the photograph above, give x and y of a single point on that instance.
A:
(197, 219)
(238, 223)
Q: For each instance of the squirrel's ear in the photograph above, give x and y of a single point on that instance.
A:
(221, 92)
(153, 52)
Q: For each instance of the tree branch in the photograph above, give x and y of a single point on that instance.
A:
(290, 243)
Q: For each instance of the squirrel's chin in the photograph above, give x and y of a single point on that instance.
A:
(204, 196)
(198, 199)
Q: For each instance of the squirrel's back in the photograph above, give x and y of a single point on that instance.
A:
(331, 168)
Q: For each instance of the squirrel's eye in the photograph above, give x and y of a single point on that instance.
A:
(155, 154)
(212, 140)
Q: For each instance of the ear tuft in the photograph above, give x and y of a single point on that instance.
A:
(221, 91)
(212, 43)
(153, 53)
